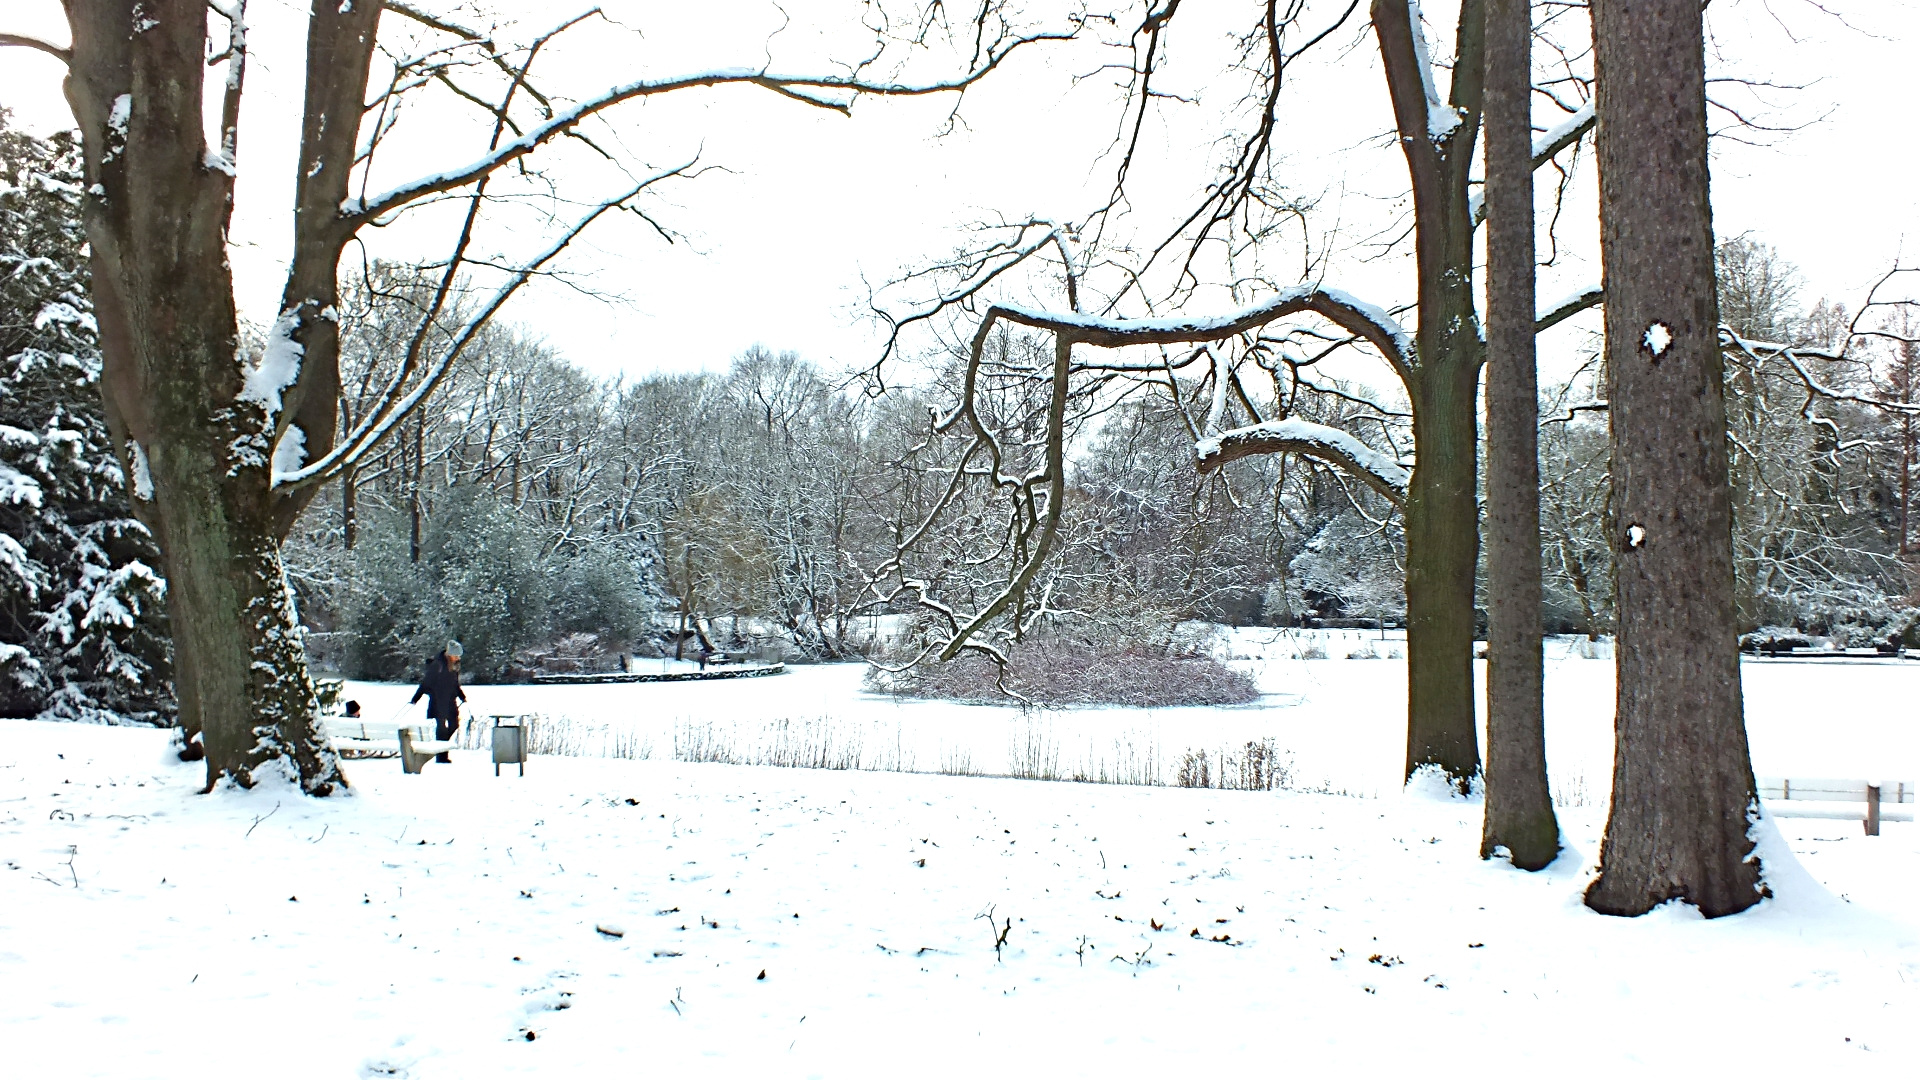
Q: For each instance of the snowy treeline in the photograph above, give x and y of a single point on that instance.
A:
(767, 506)
(1822, 531)
(82, 625)
(533, 503)
(535, 509)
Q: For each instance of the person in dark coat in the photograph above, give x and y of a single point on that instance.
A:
(441, 687)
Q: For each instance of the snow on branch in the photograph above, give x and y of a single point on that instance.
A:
(1555, 139)
(1442, 118)
(1574, 304)
(65, 56)
(1795, 357)
(1296, 436)
(1369, 321)
(815, 90)
(381, 421)
(1564, 134)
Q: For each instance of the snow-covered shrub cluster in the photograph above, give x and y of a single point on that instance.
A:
(1058, 673)
(483, 575)
(82, 620)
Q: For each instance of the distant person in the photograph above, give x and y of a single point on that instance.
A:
(441, 687)
(706, 654)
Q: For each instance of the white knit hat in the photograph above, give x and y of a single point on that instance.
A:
(453, 649)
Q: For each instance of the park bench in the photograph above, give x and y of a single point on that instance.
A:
(361, 739)
(355, 738)
(416, 751)
(1864, 800)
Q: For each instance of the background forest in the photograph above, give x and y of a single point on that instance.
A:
(550, 520)
(545, 518)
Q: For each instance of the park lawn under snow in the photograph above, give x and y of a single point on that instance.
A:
(427, 925)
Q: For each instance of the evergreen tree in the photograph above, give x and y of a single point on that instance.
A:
(82, 622)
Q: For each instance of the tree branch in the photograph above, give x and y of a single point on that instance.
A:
(1293, 435)
(65, 56)
(1563, 134)
(1591, 296)
(356, 211)
(1380, 329)
(375, 427)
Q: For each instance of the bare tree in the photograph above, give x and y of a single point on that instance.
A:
(1286, 328)
(1683, 790)
(221, 453)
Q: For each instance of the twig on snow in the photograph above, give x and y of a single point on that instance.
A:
(258, 820)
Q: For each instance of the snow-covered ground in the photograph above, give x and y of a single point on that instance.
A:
(448, 924)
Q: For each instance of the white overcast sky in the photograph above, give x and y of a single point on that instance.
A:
(777, 248)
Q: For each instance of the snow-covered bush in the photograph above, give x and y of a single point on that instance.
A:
(1057, 673)
(485, 578)
(1352, 567)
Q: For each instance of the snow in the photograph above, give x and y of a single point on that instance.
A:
(1293, 429)
(290, 453)
(142, 474)
(425, 925)
(25, 575)
(1575, 298)
(279, 365)
(17, 487)
(1442, 118)
(59, 311)
(1552, 140)
(118, 115)
(1656, 339)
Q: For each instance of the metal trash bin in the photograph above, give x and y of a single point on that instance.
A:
(509, 743)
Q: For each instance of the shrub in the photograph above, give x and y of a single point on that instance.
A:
(1055, 674)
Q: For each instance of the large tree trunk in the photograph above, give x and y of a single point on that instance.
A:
(1443, 548)
(1519, 807)
(193, 446)
(1683, 793)
(1443, 516)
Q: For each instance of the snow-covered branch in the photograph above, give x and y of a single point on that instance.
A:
(815, 90)
(1295, 436)
(1562, 135)
(1352, 314)
(25, 42)
(1574, 304)
(1795, 357)
(381, 421)
(1555, 139)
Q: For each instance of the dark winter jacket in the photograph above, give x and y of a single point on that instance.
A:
(441, 687)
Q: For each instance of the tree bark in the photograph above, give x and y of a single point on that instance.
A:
(1683, 791)
(171, 380)
(1519, 806)
(1443, 549)
(1442, 513)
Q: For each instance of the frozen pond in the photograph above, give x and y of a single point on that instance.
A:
(1337, 724)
